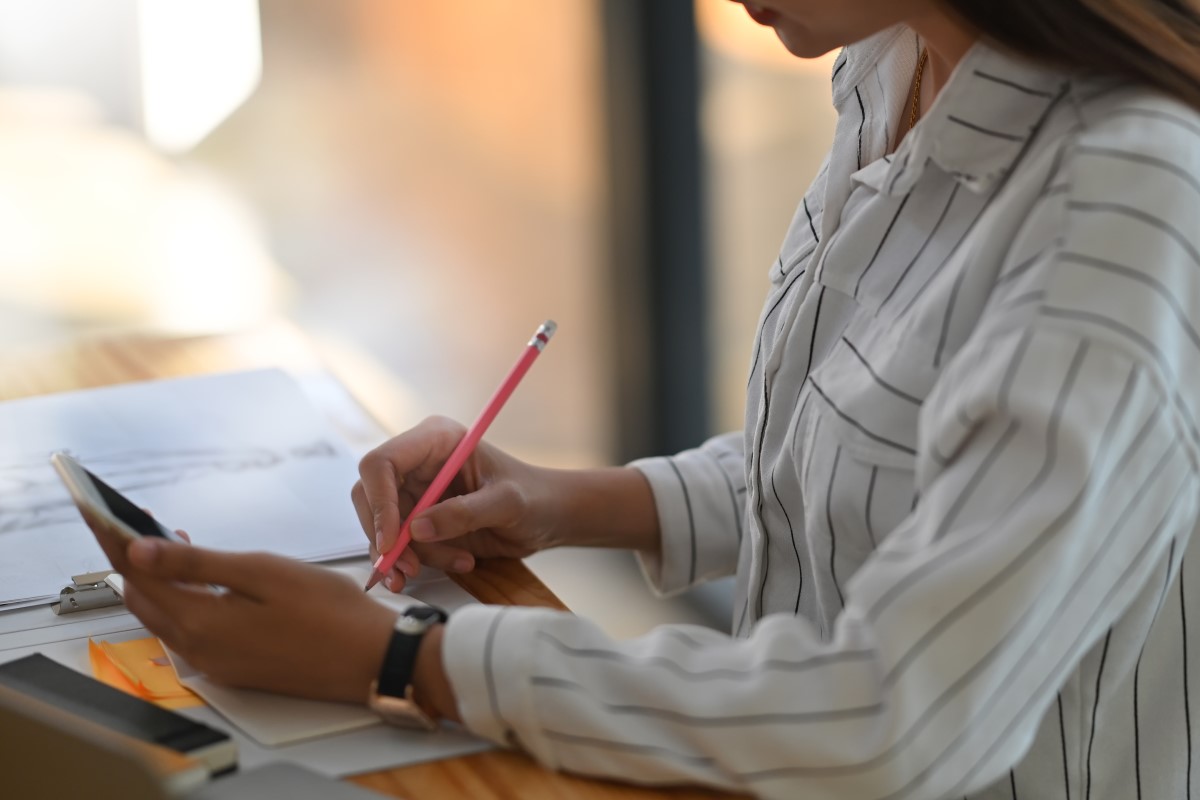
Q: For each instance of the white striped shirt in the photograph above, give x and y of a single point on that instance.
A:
(965, 488)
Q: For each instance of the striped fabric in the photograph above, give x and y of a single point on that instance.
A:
(960, 508)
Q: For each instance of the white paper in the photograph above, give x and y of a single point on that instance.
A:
(242, 461)
(272, 719)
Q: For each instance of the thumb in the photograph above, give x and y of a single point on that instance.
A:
(498, 505)
(180, 562)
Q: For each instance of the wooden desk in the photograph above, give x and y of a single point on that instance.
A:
(119, 359)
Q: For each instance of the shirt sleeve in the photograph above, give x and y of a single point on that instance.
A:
(1057, 469)
(955, 635)
(700, 496)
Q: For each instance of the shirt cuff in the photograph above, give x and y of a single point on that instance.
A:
(488, 653)
(698, 517)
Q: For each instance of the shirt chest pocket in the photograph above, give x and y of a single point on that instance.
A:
(869, 395)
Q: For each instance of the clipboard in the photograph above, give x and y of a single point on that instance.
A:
(87, 592)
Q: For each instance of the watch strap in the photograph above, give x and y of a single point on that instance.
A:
(400, 660)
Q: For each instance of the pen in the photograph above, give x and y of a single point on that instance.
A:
(464, 449)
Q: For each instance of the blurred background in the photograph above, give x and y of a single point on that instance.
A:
(416, 185)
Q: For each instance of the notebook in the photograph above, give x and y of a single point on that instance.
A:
(37, 741)
(44, 679)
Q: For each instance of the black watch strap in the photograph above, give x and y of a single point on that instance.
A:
(401, 658)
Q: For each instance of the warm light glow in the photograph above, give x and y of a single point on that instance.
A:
(99, 229)
(200, 60)
(726, 28)
(208, 270)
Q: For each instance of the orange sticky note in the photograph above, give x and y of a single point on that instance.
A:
(145, 664)
(105, 671)
(140, 668)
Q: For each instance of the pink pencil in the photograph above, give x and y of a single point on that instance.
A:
(463, 451)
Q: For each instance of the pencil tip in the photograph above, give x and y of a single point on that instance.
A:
(375, 578)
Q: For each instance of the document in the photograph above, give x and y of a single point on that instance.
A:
(242, 461)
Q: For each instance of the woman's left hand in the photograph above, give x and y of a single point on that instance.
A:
(281, 625)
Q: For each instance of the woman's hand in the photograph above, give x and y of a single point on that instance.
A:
(281, 625)
(496, 507)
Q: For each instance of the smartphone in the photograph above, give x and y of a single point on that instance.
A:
(103, 505)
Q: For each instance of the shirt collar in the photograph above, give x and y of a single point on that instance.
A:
(856, 62)
(980, 123)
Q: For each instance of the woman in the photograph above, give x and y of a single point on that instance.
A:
(960, 507)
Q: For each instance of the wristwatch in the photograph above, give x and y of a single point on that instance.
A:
(392, 692)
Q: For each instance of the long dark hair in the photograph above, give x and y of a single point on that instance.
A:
(1153, 42)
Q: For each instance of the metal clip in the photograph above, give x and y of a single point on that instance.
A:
(85, 593)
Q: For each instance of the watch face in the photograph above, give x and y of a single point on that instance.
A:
(426, 613)
(418, 619)
(400, 711)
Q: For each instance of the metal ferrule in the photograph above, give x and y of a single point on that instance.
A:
(541, 337)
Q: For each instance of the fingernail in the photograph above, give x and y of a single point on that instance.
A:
(143, 552)
(422, 529)
(463, 564)
(406, 568)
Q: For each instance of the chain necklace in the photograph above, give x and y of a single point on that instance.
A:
(916, 108)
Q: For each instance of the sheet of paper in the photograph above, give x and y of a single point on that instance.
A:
(242, 461)
(272, 719)
(364, 750)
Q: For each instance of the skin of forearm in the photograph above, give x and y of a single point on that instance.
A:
(612, 507)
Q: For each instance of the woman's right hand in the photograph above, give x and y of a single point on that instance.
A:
(497, 506)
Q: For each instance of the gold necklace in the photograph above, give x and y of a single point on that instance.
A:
(916, 108)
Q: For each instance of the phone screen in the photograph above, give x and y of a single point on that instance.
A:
(127, 512)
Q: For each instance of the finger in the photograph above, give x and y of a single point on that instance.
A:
(407, 565)
(446, 558)
(497, 505)
(186, 617)
(173, 561)
(173, 611)
(419, 453)
(362, 509)
(395, 579)
(182, 534)
(374, 557)
(149, 614)
(381, 489)
(395, 582)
